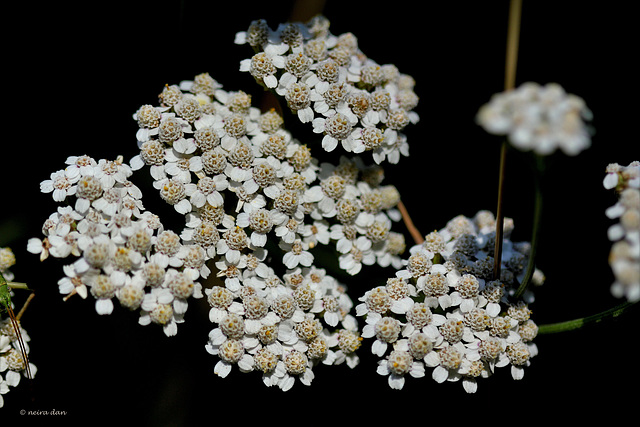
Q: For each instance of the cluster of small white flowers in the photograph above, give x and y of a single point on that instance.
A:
(329, 82)
(11, 359)
(445, 311)
(281, 327)
(249, 191)
(244, 183)
(538, 118)
(121, 250)
(624, 257)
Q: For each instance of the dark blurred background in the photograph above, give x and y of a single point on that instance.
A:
(75, 72)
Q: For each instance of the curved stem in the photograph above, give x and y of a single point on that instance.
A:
(571, 325)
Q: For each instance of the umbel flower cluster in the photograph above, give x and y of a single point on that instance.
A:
(257, 207)
(120, 250)
(256, 204)
(624, 257)
(538, 118)
(240, 178)
(445, 310)
(12, 363)
(327, 81)
(265, 221)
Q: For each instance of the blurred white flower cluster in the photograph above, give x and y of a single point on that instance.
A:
(329, 82)
(12, 364)
(120, 250)
(538, 118)
(624, 257)
(445, 311)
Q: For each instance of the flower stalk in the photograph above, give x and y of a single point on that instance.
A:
(515, 12)
(579, 323)
(537, 219)
(408, 222)
(499, 213)
(25, 305)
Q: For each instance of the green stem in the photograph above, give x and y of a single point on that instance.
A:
(571, 325)
(497, 255)
(537, 219)
(17, 285)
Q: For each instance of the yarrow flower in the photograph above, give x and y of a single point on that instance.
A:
(252, 182)
(259, 210)
(445, 311)
(624, 257)
(121, 251)
(243, 184)
(282, 327)
(329, 82)
(538, 118)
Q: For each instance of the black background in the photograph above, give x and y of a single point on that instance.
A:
(76, 72)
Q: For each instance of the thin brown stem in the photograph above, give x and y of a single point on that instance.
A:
(413, 230)
(70, 294)
(513, 35)
(25, 305)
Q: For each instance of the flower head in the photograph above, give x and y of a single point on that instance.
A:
(443, 310)
(327, 81)
(538, 118)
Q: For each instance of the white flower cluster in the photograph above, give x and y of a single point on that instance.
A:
(122, 251)
(327, 81)
(11, 360)
(250, 191)
(538, 118)
(281, 327)
(445, 311)
(244, 183)
(624, 257)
